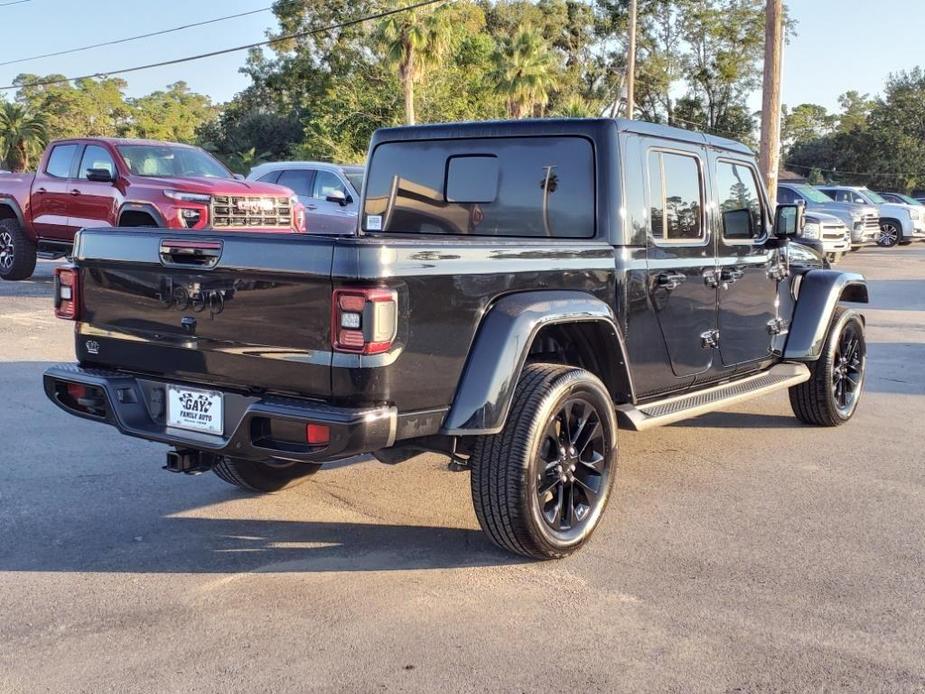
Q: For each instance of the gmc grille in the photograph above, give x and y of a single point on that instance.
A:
(834, 231)
(242, 212)
(872, 222)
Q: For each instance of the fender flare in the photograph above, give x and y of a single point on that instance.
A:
(145, 207)
(9, 201)
(502, 345)
(819, 294)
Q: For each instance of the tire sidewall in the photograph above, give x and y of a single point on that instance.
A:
(572, 383)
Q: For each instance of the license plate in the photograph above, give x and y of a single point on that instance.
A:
(197, 410)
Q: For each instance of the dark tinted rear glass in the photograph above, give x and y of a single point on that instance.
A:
(532, 187)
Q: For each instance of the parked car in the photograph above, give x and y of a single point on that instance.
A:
(863, 220)
(105, 182)
(900, 198)
(832, 236)
(899, 223)
(514, 290)
(330, 192)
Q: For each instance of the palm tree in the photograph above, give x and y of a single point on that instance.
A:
(525, 72)
(414, 40)
(22, 134)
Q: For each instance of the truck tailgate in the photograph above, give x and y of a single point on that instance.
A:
(248, 311)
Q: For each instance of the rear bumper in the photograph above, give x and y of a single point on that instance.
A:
(257, 427)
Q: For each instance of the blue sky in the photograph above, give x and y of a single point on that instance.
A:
(840, 44)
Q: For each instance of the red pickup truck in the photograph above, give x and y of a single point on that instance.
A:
(101, 182)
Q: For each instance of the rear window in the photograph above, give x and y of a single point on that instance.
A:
(523, 187)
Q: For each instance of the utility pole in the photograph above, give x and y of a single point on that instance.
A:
(631, 63)
(769, 154)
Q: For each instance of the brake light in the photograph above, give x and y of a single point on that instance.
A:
(67, 296)
(317, 434)
(364, 321)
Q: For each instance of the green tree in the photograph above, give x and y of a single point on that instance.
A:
(413, 41)
(23, 134)
(175, 114)
(84, 108)
(805, 122)
(524, 73)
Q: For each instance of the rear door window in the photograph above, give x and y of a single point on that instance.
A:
(675, 197)
(540, 187)
(60, 160)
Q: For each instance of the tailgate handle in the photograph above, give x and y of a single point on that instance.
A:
(197, 253)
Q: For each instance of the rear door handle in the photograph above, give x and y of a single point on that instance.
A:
(671, 280)
(41, 190)
(74, 191)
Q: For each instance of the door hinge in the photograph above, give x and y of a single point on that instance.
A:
(778, 272)
(776, 326)
(709, 339)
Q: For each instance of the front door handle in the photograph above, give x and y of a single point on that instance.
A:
(671, 280)
(731, 274)
(41, 190)
(74, 191)
(311, 207)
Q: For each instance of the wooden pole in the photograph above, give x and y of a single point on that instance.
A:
(631, 63)
(769, 151)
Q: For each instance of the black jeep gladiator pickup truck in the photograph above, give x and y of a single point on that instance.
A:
(514, 293)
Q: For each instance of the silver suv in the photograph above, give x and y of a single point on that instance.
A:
(330, 192)
(899, 223)
(862, 219)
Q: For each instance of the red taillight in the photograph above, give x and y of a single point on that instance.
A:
(67, 296)
(317, 434)
(364, 321)
(76, 391)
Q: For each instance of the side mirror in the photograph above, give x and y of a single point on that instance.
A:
(339, 197)
(788, 221)
(100, 175)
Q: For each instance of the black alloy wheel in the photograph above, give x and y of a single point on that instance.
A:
(574, 470)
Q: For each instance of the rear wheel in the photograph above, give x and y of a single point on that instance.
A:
(17, 251)
(540, 486)
(830, 397)
(263, 477)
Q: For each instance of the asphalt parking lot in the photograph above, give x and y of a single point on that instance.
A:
(742, 551)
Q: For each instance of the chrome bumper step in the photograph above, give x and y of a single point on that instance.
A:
(678, 407)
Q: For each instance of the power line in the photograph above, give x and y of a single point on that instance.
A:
(15, 2)
(211, 54)
(131, 38)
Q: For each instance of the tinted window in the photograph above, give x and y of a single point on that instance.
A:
(298, 181)
(472, 179)
(739, 201)
(676, 198)
(325, 184)
(785, 195)
(269, 178)
(545, 188)
(96, 157)
(59, 161)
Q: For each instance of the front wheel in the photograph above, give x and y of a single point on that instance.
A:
(890, 234)
(830, 397)
(263, 478)
(539, 486)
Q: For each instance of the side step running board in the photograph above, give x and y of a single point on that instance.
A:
(678, 407)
